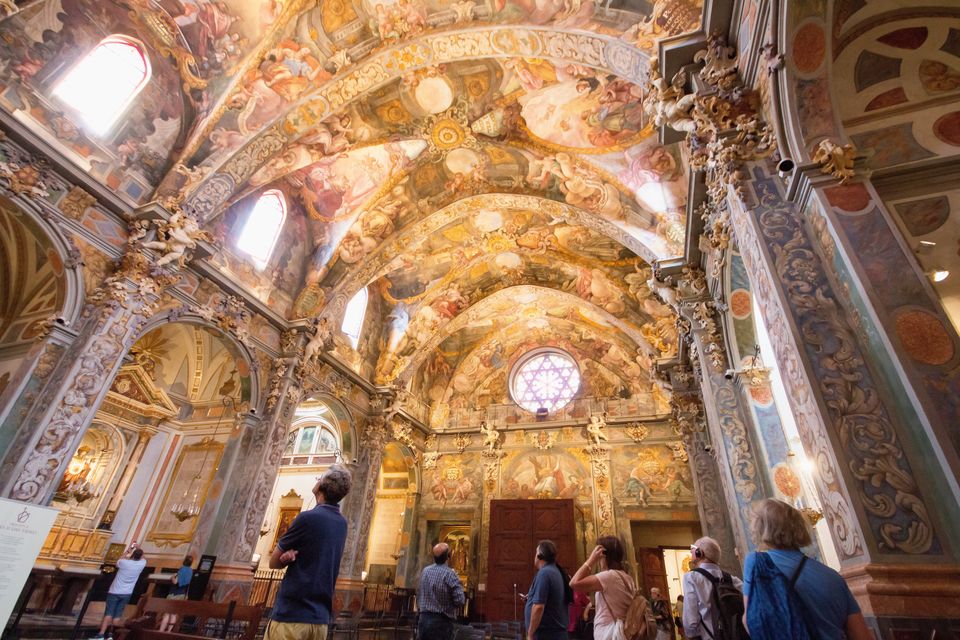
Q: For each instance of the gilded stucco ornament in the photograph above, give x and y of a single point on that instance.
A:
(543, 440)
(835, 159)
(637, 432)
(703, 318)
(76, 203)
(24, 178)
(462, 441)
(403, 433)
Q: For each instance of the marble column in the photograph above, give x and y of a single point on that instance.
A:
(893, 529)
(38, 455)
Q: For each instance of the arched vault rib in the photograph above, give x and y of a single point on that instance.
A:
(557, 259)
(606, 53)
(376, 264)
(403, 374)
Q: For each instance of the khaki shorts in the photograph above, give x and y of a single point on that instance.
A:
(295, 631)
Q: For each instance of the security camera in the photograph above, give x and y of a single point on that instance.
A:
(729, 374)
(785, 167)
(253, 411)
(62, 321)
(708, 448)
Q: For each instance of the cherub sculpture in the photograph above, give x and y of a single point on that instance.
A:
(490, 436)
(319, 340)
(595, 428)
(175, 237)
(666, 104)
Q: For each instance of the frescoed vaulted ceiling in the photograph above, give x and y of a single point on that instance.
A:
(485, 168)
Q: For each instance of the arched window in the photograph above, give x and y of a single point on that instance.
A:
(313, 439)
(353, 317)
(104, 83)
(262, 228)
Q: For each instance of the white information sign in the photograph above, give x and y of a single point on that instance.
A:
(23, 528)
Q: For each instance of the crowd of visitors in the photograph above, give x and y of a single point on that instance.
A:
(784, 594)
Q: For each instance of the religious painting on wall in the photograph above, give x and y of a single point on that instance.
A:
(173, 524)
(454, 481)
(457, 537)
(290, 505)
(652, 475)
(546, 475)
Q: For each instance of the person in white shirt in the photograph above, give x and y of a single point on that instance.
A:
(129, 568)
(699, 611)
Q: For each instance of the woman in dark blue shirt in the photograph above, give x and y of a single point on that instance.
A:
(181, 585)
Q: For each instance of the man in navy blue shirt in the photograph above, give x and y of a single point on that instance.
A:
(545, 614)
(311, 550)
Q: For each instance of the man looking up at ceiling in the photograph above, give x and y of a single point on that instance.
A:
(439, 597)
(310, 550)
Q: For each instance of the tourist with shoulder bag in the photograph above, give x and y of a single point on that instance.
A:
(622, 612)
(713, 599)
(788, 595)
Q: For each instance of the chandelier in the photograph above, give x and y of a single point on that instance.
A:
(189, 505)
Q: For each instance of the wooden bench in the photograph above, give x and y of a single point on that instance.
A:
(207, 620)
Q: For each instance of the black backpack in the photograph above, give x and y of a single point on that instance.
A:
(728, 601)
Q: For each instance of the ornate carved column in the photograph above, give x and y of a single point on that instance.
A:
(889, 519)
(908, 337)
(491, 459)
(359, 504)
(252, 477)
(212, 521)
(357, 508)
(687, 419)
(602, 489)
(741, 470)
(51, 431)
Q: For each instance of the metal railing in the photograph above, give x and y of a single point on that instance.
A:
(640, 406)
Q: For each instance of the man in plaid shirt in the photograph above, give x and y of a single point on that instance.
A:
(439, 597)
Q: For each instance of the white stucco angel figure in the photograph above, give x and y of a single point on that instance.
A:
(319, 340)
(667, 105)
(180, 233)
(595, 428)
(490, 436)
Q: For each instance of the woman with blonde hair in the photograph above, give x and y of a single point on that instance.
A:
(613, 585)
(786, 592)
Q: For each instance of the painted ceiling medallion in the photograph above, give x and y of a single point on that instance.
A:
(447, 131)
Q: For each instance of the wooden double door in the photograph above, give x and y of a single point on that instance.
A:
(515, 528)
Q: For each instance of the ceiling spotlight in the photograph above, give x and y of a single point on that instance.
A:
(939, 275)
(927, 243)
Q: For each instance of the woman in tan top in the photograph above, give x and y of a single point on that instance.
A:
(613, 586)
